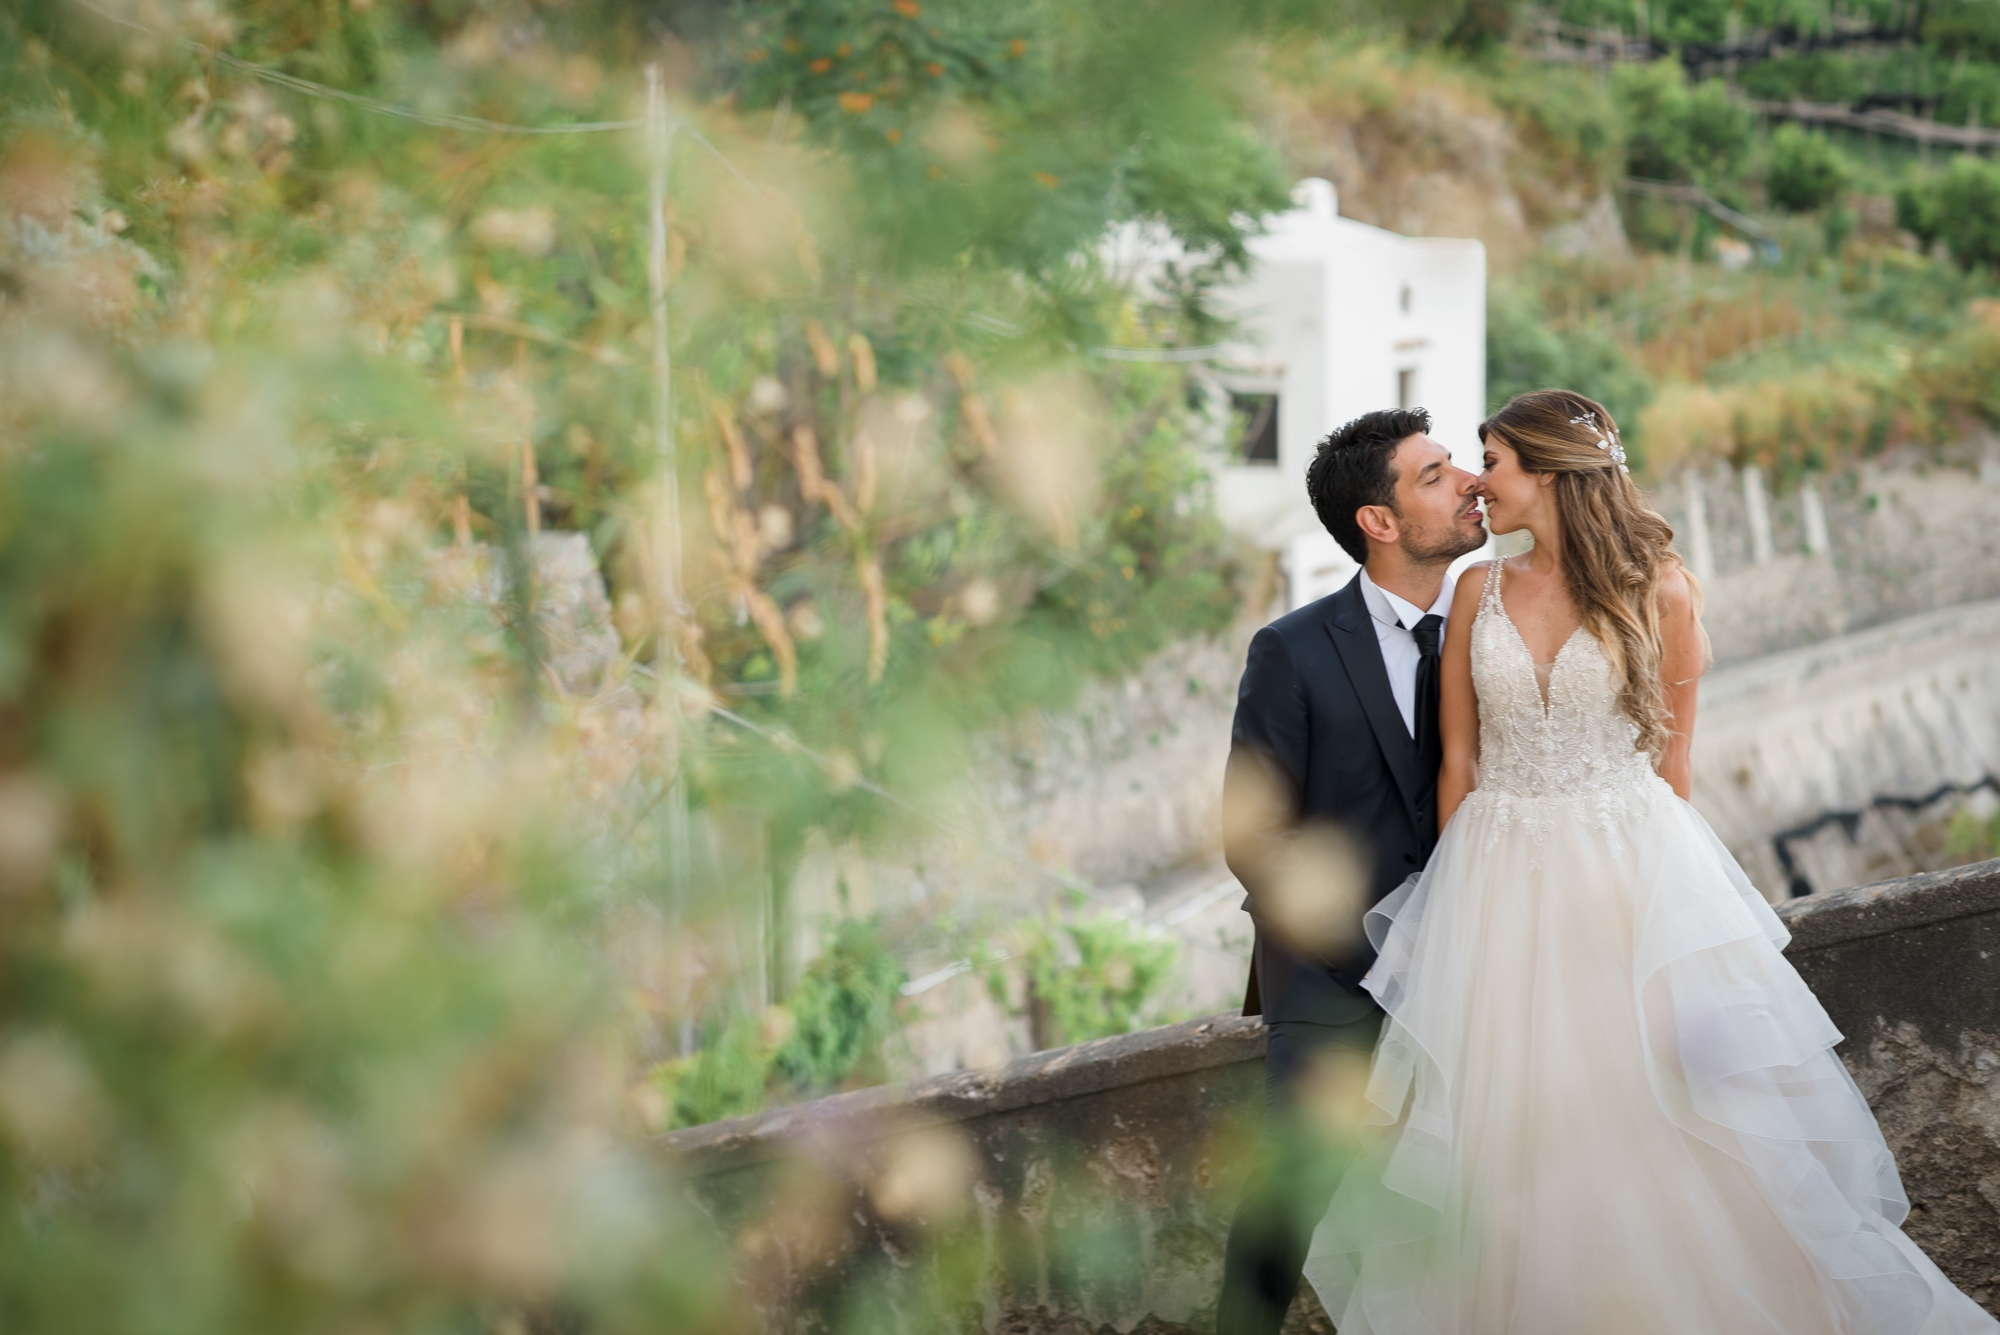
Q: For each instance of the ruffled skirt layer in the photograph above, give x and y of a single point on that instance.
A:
(1606, 1103)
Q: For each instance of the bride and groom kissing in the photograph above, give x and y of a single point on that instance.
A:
(1598, 1099)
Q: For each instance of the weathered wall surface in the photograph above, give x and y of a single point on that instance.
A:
(1899, 538)
(1910, 972)
(1895, 710)
(1130, 779)
(1088, 1190)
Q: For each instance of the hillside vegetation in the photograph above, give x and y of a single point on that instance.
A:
(369, 892)
(1731, 284)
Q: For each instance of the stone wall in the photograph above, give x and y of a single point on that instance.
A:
(1894, 711)
(1128, 781)
(1890, 539)
(1087, 1191)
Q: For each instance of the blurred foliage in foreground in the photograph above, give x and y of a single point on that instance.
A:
(347, 913)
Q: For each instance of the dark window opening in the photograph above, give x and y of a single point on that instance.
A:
(1406, 388)
(1403, 298)
(1254, 418)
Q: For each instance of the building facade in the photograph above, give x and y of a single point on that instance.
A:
(1335, 318)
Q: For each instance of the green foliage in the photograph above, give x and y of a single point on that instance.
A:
(1526, 349)
(1957, 29)
(829, 1034)
(1804, 170)
(1959, 206)
(1019, 138)
(1089, 977)
(1677, 132)
(726, 1076)
(1570, 122)
(341, 936)
(1970, 839)
(842, 1012)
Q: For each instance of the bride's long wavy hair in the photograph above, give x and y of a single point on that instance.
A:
(1615, 547)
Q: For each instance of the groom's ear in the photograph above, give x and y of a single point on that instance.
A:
(1379, 524)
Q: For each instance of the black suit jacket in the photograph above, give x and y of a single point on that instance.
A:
(1318, 737)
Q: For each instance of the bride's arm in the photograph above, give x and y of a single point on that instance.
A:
(1458, 706)
(1683, 658)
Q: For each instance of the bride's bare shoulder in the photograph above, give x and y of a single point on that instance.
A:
(1676, 595)
(1465, 597)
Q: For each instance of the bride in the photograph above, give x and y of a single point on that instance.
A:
(1610, 1105)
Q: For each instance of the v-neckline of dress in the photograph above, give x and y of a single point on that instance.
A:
(1546, 690)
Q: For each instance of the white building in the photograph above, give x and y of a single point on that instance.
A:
(1336, 318)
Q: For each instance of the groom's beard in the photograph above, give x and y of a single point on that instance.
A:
(1427, 548)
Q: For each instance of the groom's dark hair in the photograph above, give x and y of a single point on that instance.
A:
(1352, 469)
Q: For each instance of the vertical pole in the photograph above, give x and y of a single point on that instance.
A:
(667, 525)
(1757, 508)
(1812, 511)
(1700, 549)
(659, 143)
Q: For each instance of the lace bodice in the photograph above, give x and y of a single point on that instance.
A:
(1579, 745)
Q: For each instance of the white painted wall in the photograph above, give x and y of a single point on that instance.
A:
(1323, 322)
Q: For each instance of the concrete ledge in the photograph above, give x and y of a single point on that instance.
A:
(1045, 1077)
(1861, 911)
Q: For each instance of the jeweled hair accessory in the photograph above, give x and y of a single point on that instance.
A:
(1607, 440)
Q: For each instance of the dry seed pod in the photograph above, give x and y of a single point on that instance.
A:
(732, 439)
(825, 355)
(869, 571)
(863, 352)
(770, 623)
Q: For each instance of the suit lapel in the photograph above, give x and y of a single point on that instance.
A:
(1353, 634)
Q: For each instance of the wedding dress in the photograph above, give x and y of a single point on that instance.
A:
(1607, 1104)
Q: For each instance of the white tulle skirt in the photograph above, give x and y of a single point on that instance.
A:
(1607, 1105)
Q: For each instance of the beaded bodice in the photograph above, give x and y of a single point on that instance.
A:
(1578, 744)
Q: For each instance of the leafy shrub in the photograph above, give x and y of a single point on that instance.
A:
(1962, 28)
(1805, 171)
(724, 1077)
(1697, 134)
(1526, 350)
(1970, 839)
(830, 1033)
(1959, 206)
(842, 1012)
(1089, 977)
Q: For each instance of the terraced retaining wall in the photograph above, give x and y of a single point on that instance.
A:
(1087, 1190)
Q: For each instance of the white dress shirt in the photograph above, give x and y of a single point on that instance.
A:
(1393, 619)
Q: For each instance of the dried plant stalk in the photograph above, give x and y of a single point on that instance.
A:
(732, 439)
(531, 487)
(770, 623)
(805, 457)
(868, 568)
(864, 473)
(735, 526)
(970, 406)
(863, 353)
(813, 482)
(825, 355)
(721, 509)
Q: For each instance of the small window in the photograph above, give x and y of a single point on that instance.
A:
(1406, 387)
(1403, 298)
(1254, 425)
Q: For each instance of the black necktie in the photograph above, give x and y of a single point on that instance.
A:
(1430, 744)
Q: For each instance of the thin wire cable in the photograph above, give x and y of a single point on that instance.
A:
(785, 742)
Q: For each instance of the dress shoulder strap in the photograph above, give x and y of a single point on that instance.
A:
(1492, 590)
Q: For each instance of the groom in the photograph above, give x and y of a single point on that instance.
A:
(1335, 746)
